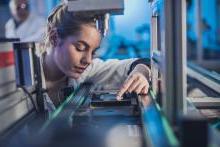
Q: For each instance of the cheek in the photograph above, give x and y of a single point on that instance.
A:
(74, 56)
(61, 58)
(69, 57)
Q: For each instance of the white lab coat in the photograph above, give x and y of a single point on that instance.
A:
(32, 29)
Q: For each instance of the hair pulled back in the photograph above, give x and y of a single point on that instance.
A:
(65, 23)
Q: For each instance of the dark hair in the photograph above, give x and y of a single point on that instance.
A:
(66, 23)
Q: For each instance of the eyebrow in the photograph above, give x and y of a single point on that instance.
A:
(84, 43)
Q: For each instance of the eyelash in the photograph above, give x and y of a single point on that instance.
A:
(81, 50)
(78, 48)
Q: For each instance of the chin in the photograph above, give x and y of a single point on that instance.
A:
(74, 75)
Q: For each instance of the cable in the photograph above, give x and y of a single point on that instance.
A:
(31, 98)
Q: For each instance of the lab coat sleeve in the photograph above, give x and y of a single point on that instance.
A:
(107, 74)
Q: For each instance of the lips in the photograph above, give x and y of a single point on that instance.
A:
(79, 69)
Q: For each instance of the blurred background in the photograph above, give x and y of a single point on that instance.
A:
(129, 34)
(203, 33)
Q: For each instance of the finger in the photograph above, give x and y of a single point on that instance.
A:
(144, 90)
(147, 87)
(133, 85)
(125, 87)
(139, 88)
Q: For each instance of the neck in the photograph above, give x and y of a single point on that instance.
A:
(51, 70)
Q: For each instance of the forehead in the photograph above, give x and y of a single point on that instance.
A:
(90, 35)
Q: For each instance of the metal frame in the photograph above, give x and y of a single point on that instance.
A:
(204, 76)
(172, 63)
(199, 49)
(154, 48)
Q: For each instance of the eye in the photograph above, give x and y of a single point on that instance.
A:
(79, 46)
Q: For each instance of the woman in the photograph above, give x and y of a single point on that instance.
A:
(72, 40)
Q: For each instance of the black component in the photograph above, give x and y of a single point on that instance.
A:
(110, 103)
(129, 95)
(159, 93)
(4, 2)
(39, 89)
(109, 99)
(9, 39)
(194, 132)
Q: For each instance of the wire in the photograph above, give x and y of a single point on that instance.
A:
(31, 98)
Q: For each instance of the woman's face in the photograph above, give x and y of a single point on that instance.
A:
(75, 53)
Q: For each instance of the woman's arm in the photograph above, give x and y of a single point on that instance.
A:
(111, 74)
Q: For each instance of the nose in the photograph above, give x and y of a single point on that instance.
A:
(87, 59)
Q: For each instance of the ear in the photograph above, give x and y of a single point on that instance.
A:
(53, 37)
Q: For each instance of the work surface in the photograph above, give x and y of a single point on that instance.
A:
(89, 119)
